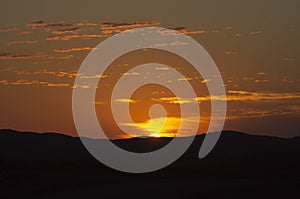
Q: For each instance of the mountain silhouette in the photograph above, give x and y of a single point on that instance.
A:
(51, 165)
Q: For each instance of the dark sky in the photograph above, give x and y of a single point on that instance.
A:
(255, 44)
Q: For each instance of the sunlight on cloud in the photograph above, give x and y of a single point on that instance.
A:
(123, 100)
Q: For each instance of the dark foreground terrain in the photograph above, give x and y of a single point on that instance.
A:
(240, 166)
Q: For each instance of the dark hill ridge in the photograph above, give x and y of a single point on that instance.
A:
(241, 165)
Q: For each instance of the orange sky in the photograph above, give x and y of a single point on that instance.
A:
(255, 45)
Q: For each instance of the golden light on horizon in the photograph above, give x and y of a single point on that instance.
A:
(159, 127)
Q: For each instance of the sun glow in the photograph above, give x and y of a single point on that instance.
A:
(160, 127)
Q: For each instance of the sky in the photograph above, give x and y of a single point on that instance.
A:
(255, 45)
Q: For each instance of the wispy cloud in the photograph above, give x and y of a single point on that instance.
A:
(233, 95)
(184, 30)
(133, 73)
(9, 29)
(41, 23)
(20, 56)
(75, 36)
(59, 57)
(287, 59)
(33, 82)
(255, 32)
(245, 113)
(123, 100)
(86, 24)
(21, 42)
(175, 43)
(63, 31)
(47, 72)
(111, 27)
(231, 52)
(73, 49)
(59, 73)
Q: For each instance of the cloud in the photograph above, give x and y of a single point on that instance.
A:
(184, 30)
(123, 100)
(63, 31)
(161, 68)
(86, 24)
(185, 79)
(8, 29)
(68, 37)
(260, 73)
(287, 59)
(233, 95)
(32, 56)
(36, 24)
(25, 56)
(174, 100)
(245, 113)
(46, 72)
(134, 73)
(60, 73)
(41, 23)
(231, 53)
(255, 32)
(285, 79)
(110, 27)
(73, 49)
(33, 82)
(24, 33)
(175, 43)
(59, 57)
(98, 76)
(21, 42)
(164, 126)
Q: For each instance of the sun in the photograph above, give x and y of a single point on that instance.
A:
(156, 135)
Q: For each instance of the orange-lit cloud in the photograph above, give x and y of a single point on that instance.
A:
(231, 53)
(68, 37)
(8, 29)
(255, 32)
(33, 82)
(86, 24)
(184, 30)
(36, 24)
(175, 43)
(9, 56)
(259, 96)
(60, 57)
(133, 73)
(260, 73)
(163, 126)
(73, 49)
(63, 31)
(110, 27)
(41, 23)
(47, 72)
(123, 100)
(233, 96)
(244, 113)
(21, 42)
(185, 79)
(24, 33)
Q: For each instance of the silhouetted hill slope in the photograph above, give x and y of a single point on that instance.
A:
(58, 166)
